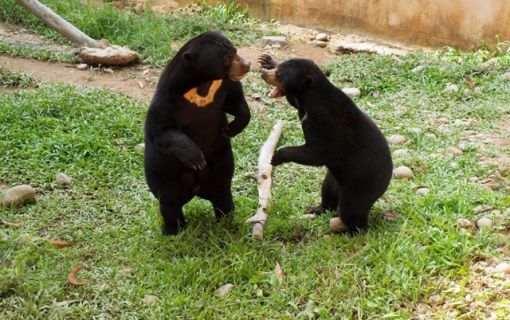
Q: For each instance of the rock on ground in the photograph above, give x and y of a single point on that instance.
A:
(18, 196)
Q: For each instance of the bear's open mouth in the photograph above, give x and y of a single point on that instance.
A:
(276, 92)
(269, 76)
(235, 77)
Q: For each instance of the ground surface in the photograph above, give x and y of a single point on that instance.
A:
(139, 81)
(414, 262)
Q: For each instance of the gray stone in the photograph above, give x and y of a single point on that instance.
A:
(18, 196)
(63, 179)
(502, 268)
(321, 37)
(320, 44)
(418, 69)
(352, 92)
(400, 152)
(422, 192)
(403, 172)
(397, 139)
(452, 88)
(484, 223)
(225, 289)
(464, 223)
(489, 64)
(274, 40)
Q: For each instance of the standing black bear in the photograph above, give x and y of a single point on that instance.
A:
(187, 134)
(338, 135)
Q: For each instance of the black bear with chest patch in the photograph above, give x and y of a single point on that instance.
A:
(337, 135)
(187, 133)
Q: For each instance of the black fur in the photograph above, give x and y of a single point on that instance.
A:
(339, 136)
(187, 148)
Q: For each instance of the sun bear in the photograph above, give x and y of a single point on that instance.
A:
(337, 135)
(187, 133)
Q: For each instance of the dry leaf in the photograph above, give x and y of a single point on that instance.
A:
(60, 243)
(71, 278)
(140, 84)
(391, 215)
(469, 83)
(278, 273)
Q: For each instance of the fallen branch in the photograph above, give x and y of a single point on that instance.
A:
(264, 181)
(111, 55)
(58, 24)
(91, 51)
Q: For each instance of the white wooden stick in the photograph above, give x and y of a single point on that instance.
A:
(56, 22)
(91, 51)
(264, 181)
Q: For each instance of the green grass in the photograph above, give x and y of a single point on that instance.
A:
(108, 211)
(16, 50)
(153, 36)
(9, 79)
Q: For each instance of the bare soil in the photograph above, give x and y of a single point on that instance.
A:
(139, 81)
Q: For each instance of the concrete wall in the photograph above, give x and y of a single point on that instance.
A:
(460, 23)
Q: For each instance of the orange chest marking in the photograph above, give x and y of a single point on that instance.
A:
(192, 95)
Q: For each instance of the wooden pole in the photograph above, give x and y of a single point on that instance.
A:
(60, 25)
(264, 181)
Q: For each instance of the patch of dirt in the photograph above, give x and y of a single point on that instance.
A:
(499, 140)
(20, 36)
(482, 294)
(4, 89)
(293, 50)
(339, 43)
(136, 82)
(504, 137)
(140, 81)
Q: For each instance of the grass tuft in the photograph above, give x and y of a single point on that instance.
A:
(9, 79)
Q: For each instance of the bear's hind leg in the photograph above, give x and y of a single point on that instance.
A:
(173, 217)
(353, 211)
(223, 203)
(329, 196)
(217, 188)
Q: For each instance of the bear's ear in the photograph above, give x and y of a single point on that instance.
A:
(309, 81)
(187, 56)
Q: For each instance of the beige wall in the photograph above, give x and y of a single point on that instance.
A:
(459, 23)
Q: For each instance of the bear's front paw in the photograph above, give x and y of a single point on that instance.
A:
(229, 131)
(194, 160)
(278, 158)
(267, 62)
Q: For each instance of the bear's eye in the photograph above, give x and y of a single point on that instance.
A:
(227, 60)
(278, 77)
